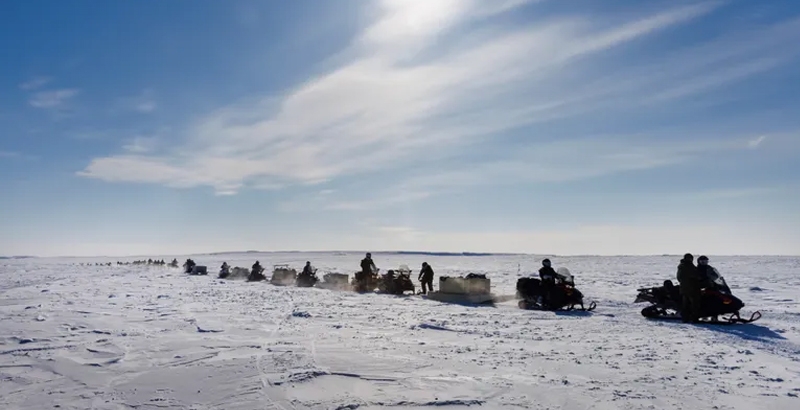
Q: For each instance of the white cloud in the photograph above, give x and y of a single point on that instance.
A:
(398, 98)
(8, 154)
(140, 145)
(35, 83)
(52, 99)
(757, 141)
(145, 102)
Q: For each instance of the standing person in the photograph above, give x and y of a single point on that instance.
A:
(367, 270)
(689, 280)
(426, 277)
(367, 265)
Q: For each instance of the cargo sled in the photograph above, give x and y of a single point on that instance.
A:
(561, 295)
(716, 300)
(335, 281)
(236, 273)
(473, 289)
(283, 275)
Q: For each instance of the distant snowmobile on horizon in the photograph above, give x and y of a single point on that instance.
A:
(717, 300)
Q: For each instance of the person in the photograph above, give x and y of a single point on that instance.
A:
(706, 272)
(548, 276)
(368, 265)
(257, 268)
(689, 280)
(547, 273)
(308, 270)
(426, 278)
(368, 268)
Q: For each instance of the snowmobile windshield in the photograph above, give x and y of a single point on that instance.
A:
(715, 277)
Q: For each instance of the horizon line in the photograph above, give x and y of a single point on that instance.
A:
(397, 252)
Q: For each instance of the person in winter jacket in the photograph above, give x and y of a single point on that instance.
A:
(547, 273)
(308, 270)
(690, 286)
(548, 276)
(426, 277)
(705, 272)
(368, 266)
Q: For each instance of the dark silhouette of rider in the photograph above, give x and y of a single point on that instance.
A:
(426, 277)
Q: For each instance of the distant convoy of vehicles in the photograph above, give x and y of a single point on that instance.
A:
(702, 295)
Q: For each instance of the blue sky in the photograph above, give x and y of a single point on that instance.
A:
(567, 127)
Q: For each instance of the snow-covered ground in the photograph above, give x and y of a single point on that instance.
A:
(138, 337)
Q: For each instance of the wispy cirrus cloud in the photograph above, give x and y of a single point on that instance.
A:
(35, 82)
(410, 87)
(141, 144)
(52, 99)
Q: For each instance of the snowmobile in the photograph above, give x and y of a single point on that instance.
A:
(188, 266)
(307, 280)
(224, 271)
(256, 275)
(716, 300)
(396, 284)
(365, 283)
(561, 295)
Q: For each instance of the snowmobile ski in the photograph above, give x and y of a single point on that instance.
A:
(529, 305)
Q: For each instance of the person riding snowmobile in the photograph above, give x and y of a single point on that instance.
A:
(308, 270)
(224, 268)
(257, 268)
(706, 273)
(426, 277)
(690, 286)
(548, 276)
(367, 269)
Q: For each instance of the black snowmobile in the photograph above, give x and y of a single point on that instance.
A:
(561, 295)
(717, 300)
(307, 279)
(256, 274)
(396, 282)
(365, 282)
(224, 271)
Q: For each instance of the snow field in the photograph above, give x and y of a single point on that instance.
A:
(138, 337)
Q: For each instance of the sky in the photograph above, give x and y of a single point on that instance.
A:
(532, 126)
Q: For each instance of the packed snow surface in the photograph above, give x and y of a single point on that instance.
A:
(139, 337)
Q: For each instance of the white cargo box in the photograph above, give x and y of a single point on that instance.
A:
(335, 281)
(464, 286)
(283, 275)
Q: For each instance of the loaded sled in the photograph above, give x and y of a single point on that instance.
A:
(475, 288)
(283, 275)
(560, 295)
(335, 281)
(716, 300)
